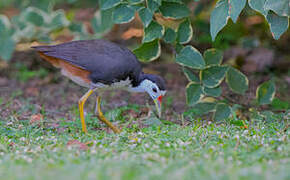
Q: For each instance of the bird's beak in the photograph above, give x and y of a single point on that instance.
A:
(158, 103)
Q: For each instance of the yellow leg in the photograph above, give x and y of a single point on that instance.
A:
(81, 108)
(102, 117)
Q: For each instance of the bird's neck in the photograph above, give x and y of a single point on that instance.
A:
(142, 84)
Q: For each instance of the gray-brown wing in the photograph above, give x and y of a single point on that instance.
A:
(105, 60)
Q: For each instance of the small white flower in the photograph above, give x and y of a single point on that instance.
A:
(9, 123)
(22, 139)
(237, 137)
(146, 145)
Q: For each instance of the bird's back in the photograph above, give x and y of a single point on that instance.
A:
(106, 61)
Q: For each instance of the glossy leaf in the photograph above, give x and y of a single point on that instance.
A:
(190, 57)
(184, 32)
(148, 51)
(278, 24)
(102, 21)
(169, 35)
(237, 81)
(224, 9)
(4, 23)
(235, 8)
(222, 112)
(215, 92)
(193, 93)
(190, 75)
(135, 1)
(176, 1)
(258, 5)
(266, 92)
(153, 31)
(152, 5)
(213, 57)
(280, 7)
(34, 16)
(178, 47)
(58, 20)
(146, 16)
(219, 17)
(174, 10)
(7, 46)
(212, 76)
(123, 14)
(107, 4)
(202, 108)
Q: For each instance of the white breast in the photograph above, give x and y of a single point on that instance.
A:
(117, 85)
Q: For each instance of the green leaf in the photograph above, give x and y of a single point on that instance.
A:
(158, 2)
(193, 93)
(145, 16)
(176, 1)
(102, 21)
(153, 31)
(224, 10)
(58, 20)
(107, 4)
(266, 92)
(212, 76)
(202, 108)
(123, 14)
(280, 7)
(235, 8)
(280, 104)
(258, 5)
(237, 81)
(191, 57)
(7, 43)
(184, 32)
(135, 1)
(7, 46)
(190, 75)
(219, 17)
(174, 10)
(148, 51)
(215, 92)
(169, 35)
(178, 47)
(5, 24)
(152, 5)
(213, 57)
(34, 16)
(222, 112)
(137, 7)
(278, 24)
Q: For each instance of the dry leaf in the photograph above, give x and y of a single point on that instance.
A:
(132, 32)
(77, 144)
(32, 91)
(167, 22)
(253, 20)
(36, 119)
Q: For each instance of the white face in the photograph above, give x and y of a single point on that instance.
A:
(152, 89)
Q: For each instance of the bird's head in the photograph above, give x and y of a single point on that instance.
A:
(154, 85)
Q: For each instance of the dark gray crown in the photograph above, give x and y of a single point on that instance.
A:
(154, 78)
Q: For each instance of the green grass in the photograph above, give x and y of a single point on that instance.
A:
(199, 151)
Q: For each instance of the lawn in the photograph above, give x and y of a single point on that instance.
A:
(200, 150)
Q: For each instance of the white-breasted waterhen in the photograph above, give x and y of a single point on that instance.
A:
(100, 64)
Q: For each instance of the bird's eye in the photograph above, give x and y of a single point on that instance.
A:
(154, 90)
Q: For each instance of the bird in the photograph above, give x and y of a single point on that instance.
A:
(100, 65)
